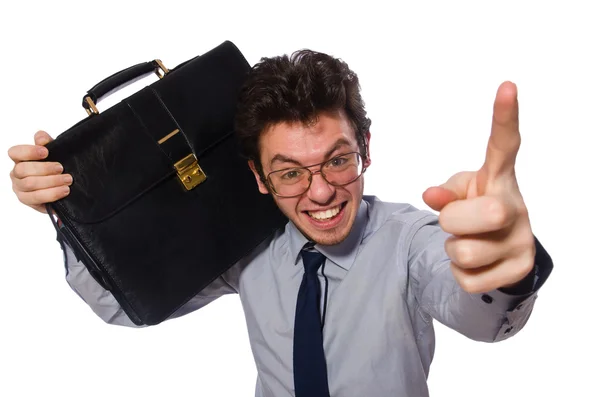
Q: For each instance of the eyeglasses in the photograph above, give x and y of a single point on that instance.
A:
(338, 171)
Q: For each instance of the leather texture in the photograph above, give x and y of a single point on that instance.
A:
(145, 238)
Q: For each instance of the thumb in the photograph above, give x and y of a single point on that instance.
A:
(456, 188)
(41, 138)
(437, 197)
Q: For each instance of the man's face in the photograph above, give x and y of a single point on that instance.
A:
(291, 145)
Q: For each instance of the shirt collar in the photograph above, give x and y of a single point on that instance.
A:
(342, 254)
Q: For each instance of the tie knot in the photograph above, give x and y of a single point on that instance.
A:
(312, 261)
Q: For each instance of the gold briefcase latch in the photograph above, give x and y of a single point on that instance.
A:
(189, 172)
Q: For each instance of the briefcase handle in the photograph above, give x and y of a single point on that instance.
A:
(120, 79)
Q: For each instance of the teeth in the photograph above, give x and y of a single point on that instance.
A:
(322, 215)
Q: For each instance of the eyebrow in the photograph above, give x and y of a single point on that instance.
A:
(285, 159)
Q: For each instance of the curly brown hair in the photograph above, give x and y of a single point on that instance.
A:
(297, 89)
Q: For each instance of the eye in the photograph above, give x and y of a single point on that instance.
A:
(291, 175)
(338, 161)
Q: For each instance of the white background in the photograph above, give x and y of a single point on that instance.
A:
(429, 74)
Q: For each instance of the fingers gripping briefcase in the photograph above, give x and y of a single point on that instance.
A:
(162, 203)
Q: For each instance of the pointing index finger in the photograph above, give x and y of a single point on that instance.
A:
(505, 138)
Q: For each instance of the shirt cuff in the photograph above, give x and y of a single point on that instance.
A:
(542, 267)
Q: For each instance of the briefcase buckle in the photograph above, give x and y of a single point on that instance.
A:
(189, 172)
(160, 67)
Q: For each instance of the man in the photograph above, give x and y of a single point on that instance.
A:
(341, 302)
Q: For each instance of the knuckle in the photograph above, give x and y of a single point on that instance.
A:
(472, 285)
(521, 273)
(468, 284)
(450, 243)
(523, 244)
(465, 254)
(55, 195)
(27, 184)
(528, 243)
(37, 197)
(497, 212)
(22, 197)
(19, 170)
(527, 249)
(524, 266)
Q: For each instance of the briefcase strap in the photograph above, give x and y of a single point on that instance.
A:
(168, 135)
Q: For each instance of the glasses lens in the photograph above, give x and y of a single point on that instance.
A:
(344, 169)
(290, 182)
(339, 171)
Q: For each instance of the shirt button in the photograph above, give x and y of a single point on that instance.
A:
(508, 330)
(486, 298)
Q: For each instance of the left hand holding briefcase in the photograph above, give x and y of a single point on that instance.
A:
(162, 203)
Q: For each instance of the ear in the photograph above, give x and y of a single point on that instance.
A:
(367, 149)
(261, 186)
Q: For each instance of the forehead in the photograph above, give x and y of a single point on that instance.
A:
(303, 142)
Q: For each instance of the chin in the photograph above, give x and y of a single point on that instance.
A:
(328, 231)
(331, 239)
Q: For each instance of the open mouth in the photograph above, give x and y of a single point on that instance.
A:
(327, 215)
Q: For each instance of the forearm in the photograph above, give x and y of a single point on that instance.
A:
(491, 316)
(488, 317)
(101, 301)
(105, 306)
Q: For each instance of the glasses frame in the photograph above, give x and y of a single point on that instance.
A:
(311, 173)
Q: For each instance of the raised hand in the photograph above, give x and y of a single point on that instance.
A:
(37, 183)
(492, 245)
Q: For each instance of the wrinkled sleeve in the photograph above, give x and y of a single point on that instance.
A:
(105, 306)
(490, 317)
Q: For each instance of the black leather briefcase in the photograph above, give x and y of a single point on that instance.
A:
(162, 203)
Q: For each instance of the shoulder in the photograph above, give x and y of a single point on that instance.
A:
(383, 212)
(398, 218)
(274, 246)
(404, 228)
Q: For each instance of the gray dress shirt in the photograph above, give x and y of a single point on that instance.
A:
(385, 284)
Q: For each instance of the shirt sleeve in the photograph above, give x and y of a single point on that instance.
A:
(105, 306)
(490, 317)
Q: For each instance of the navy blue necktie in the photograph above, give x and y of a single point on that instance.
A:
(310, 370)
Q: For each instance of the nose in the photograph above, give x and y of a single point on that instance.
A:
(320, 190)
